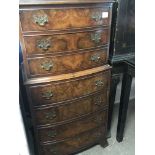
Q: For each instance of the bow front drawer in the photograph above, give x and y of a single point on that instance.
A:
(68, 89)
(68, 111)
(72, 129)
(63, 18)
(71, 145)
(65, 42)
(56, 65)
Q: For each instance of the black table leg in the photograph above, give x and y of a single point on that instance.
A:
(125, 94)
(114, 82)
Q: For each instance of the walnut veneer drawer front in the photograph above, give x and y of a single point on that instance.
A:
(63, 42)
(43, 66)
(65, 90)
(72, 145)
(62, 112)
(73, 128)
(63, 18)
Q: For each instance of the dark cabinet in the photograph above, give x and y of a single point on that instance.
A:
(123, 31)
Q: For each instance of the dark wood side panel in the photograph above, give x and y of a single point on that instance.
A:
(55, 92)
(65, 42)
(63, 18)
(125, 34)
(61, 132)
(123, 31)
(55, 65)
(72, 145)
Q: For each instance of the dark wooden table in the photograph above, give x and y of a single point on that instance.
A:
(129, 66)
(122, 52)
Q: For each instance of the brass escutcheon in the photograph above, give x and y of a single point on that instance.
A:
(41, 20)
(99, 83)
(51, 115)
(97, 16)
(96, 37)
(95, 58)
(44, 44)
(47, 95)
(52, 133)
(47, 65)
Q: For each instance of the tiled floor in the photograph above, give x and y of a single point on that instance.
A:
(127, 147)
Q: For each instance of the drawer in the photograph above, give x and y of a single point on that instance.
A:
(72, 129)
(54, 65)
(65, 42)
(62, 112)
(75, 144)
(65, 90)
(63, 18)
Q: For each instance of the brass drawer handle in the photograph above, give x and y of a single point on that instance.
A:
(99, 83)
(78, 138)
(51, 115)
(98, 120)
(97, 16)
(47, 95)
(98, 101)
(41, 20)
(52, 134)
(98, 134)
(47, 65)
(54, 151)
(96, 37)
(44, 44)
(95, 58)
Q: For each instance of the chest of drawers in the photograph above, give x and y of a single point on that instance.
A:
(65, 47)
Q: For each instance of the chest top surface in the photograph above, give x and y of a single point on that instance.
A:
(46, 2)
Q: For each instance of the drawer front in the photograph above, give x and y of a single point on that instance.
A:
(60, 91)
(72, 129)
(63, 18)
(66, 63)
(60, 43)
(67, 111)
(73, 145)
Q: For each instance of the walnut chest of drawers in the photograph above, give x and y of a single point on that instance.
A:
(65, 45)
